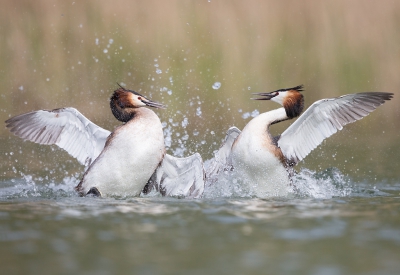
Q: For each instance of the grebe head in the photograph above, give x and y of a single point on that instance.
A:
(291, 99)
(124, 103)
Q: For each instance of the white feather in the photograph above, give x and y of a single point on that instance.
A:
(65, 127)
(323, 119)
(180, 177)
(221, 158)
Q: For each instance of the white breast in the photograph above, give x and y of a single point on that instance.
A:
(258, 170)
(128, 161)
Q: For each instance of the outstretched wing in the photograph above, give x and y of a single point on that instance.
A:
(65, 127)
(220, 160)
(324, 118)
(179, 177)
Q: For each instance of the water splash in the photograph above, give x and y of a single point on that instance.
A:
(255, 113)
(326, 184)
(246, 115)
(198, 111)
(306, 183)
(216, 85)
(28, 187)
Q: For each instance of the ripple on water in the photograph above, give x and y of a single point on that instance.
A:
(307, 184)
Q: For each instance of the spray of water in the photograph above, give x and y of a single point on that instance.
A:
(178, 138)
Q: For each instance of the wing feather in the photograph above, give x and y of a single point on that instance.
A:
(65, 127)
(324, 118)
(221, 158)
(179, 177)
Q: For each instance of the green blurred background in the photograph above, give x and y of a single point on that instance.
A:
(72, 53)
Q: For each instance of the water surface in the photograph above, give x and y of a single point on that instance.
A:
(344, 228)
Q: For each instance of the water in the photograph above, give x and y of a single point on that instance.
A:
(216, 85)
(344, 227)
(203, 59)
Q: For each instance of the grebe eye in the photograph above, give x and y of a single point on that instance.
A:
(139, 98)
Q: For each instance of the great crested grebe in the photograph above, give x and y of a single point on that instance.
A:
(125, 162)
(263, 163)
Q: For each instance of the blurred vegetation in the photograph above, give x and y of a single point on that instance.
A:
(72, 53)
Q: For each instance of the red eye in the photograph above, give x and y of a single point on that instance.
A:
(139, 98)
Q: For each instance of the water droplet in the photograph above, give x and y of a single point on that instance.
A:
(185, 122)
(110, 41)
(198, 111)
(246, 115)
(96, 41)
(216, 85)
(255, 113)
(21, 88)
(105, 51)
(158, 71)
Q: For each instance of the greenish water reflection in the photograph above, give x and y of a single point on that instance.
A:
(357, 234)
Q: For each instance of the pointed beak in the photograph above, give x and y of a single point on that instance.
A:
(264, 96)
(154, 104)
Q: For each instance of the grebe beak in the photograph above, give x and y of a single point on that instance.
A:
(265, 96)
(151, 103)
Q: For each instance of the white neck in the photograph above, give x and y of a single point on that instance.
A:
(264, 120)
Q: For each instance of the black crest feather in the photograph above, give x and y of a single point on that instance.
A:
(298, 88)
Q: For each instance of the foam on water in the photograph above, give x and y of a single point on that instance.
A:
(27, 187)
(322, 185)
(306, 183)
(326, 184)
